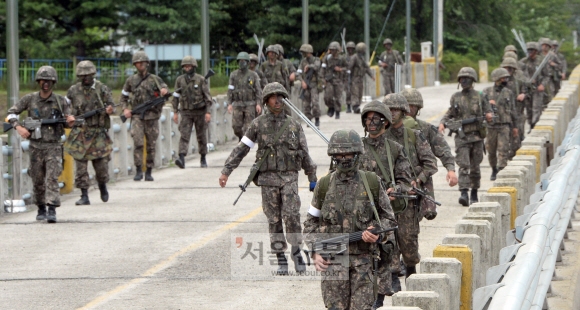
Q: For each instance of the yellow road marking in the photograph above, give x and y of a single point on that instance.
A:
(167, 262)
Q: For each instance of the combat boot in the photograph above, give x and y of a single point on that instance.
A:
(348, 110)
(337, 115)
(473, 198)
(463, 199)
(41, 215)
(202, 161)
(148, 176)
(84, 198)
(493, 174)
(395, 283)
(282, 264)
(138, 173)
(379, 301)
(317, 122)
(409, 271)
(180, 162)
(330, 112)
(51, 217)
(104, 192)
(296, 257)
(356, 109)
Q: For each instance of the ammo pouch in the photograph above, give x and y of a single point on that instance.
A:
(427, 207)
(399, 205)
(483, 131)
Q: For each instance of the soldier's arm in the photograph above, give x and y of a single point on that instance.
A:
(307, 163)
(125, 93)
(485, 105)
(427, 161)
(231, 89)
(300, 71)
(323, 67)
(242, 149)
(17, 108)
(312, 218)
(450, 114)
(161, 83)
(176, 95)
(258, 90)
(206, 96)
(402, 169)
(74, 107)
(368, 70)
(441, 149)
(384, 209)
(107, 97)
(512, 107)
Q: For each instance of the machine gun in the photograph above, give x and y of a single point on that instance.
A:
(33, 125)
(307, 79)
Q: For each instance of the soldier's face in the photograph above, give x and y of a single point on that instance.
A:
(187, 68)
(388, 46)
(510, 70)
(350, 50)
(546, 48)
(272, 56)
(253, 64)
(334, 52)
(275, 104)
(243, 64)
(532, 53)
(466, 82)
(374, 122)
(397, 116)
(46, 85)
(141, 66)
(413, 110)
(86, 80)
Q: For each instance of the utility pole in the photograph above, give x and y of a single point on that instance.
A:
(367, 31)
(204, 36)
(436, 39)
(408, 46)
(304, 21)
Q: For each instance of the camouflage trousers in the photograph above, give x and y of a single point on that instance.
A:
(310, 105)
(101, 166)
(333, 96)
(348, 93)
(282, 204)
(45, 168)
(356, 90)
(141, 130)
(407, 238)
(354, 289)
(516, 142)
(242, 118)
(497, 144)
(468, 156)
(389, 82)
(534, 107)
(188, 119)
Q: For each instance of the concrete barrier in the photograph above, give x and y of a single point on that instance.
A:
(425, 300)
(531, 159)
(438, 283)
(464, 255)
(474, 243)
(505, 202)
(495, 228)
(452, 268)
(519, 173)
(484, 230)
(498, 232)
(516, 184)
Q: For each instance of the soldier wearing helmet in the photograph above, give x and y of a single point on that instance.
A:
(423, 166)
(332, 68)
(510, 48)
(273, 69)
(90, 142)
(519, 85)
(244, 96)
(468, 104)
(350, 50)
(562, 58)
(309, 83)
(529, 65)
(554, 70)
(140, 88)
(279, 160)
(192, 101)
(46, 148)
(357, 68)
(290, 68)
(502, 102)
(387, 61)
(348, 188)
(254, 61)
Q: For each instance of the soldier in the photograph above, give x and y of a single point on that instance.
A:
(140, 88)
(357, 67)
(192, 100)
(45, 151)
(423, 166)
(350, 49)
(529, 65)
(436, 140)
(387, 159)
(309, 81)
(510, 48)
(90, 141)
(502, 103)
(519, 86)
(278, 133)
(244, 95)
(563, 65)
(348, 188)
(333, 65)
(274, 70)
(253, 66)
(387, 61)
(510, 55)
(290, 68)
(468, 104)
(554, 69)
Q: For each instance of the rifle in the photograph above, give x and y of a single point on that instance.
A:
(400, 195)
(253, 172)
(33, 125)
(94, 112)
(425, 195)
(307, 80)
(457, 126)
(289, 104)
(331, 247)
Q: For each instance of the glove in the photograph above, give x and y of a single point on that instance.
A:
(429, 215)
(312, 185)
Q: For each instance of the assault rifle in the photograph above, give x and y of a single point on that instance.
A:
(253, 172)
(94, 112)
(457, 126)
(33, 125)
(331, 247)
(425, 195)
(146, 106)
(400, 195)
(307, 79)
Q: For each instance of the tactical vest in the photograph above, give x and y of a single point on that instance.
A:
(38, 109)
(191, 92)
(503, 105)
(329, 74)
(468, 108)
(91, 101)
(273, 73)
(244, 86)
(285, 153)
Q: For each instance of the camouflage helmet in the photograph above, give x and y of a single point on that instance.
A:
(189, 60)
(280, 49)
(86, 67)
(139, 56)
(396, 101)
(467, 72)
(545, 41)
(387, 41)
(510, 48)
(510, 55)
(46, 73)
(350, 44)
(361, 47)
(334, 46)
(509, 63)
(271, 48)
(345, 142)
(377, 107)
(413, 97)
(532, 46)
(306, 48)
(254, 57)
(498, 74)
(555, 43)
(273, 88)
(243, 56)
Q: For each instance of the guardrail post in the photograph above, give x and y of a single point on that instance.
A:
(452, 268)
(426, 300)
(463, 254)
(484, 230)
(438, 283)
(474, 243)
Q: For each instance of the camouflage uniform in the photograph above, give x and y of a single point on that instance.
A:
(499, 132)
(278, 175)
(274, 72)
(333, 80)
(311, 108)
(554, 71)
(535, 100)
(563, 63)
(45, 152)
(357, 68)
(263, 80)
(518, 85)
(290, 68)
(390, 57)
(346, 208)
(350, 47)
(244, 93)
